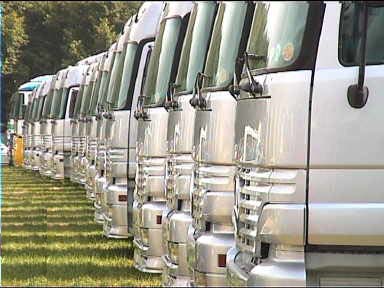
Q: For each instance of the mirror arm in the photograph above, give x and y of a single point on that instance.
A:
(358, 93)
(194, 101)
(254, 86)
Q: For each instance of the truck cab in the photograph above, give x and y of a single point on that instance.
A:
(307, 148)
(90, 82)
(77, 136)
(27, 130)
(39, 110)
(211, 232)
(179, 166)
(63, 103)
(27, 133)
(151, 146)
(78, 145)
(123, 96)
(18, 105)
(100, 179)
(91, 132)
(46, 163)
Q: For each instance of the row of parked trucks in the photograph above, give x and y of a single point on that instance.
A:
(237, 142)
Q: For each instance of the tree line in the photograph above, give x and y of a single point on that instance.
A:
(42, 37)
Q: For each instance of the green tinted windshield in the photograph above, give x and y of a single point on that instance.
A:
(127, 75)
(160, 64)
(116, 75)
(95, 93)
(40, 103)
(277, 33)
(27, 112)
(86, 100)
(47, 104)
(20, 106)
(225, 42)
(103, 84)
(103, 92)
(55, 106)
(63, 103)
(79, 97)
(195, 45)
(34, 109)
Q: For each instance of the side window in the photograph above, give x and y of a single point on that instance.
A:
(73, 96)
(350, 34)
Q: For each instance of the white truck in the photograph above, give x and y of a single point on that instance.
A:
(307, 146)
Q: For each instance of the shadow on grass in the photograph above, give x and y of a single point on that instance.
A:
(102, 253)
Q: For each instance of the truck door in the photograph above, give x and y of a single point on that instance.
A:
(346, 177)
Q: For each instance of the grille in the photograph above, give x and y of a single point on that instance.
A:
(179, 172)
(150, 178)
(47, 142)
(209, 178)
(254, 187)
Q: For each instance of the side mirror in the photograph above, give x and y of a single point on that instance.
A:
(234, 89)
(358, 93)
(170, 101)
(253, 87)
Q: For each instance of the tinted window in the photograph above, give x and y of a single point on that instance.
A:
(350, 34)
(277, 34)
(160, 64)
(225, 43)
(195, 45)
(74, 92)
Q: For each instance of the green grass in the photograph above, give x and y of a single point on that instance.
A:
(49, 238)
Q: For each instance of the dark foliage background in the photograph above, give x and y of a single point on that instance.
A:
(42, 37)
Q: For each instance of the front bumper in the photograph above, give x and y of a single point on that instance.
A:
(115, 223)
(75, 170)
(236, 275)
(58, 167)
(46, 164)
(281, 268)
(146, 263)
(175, 234)
(206, 255)
(148, 243)
(100, 183)
(35, 160)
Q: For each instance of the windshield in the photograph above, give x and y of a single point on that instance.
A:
(160, 64)
(85, 101)
(95, 93)
(277, 34)
(34, 109)
(47, 104)
(195, 46)
(105, 83)
(63, 103)
(40, 103)
(127, 75)
(78, 102)
(56, 99)
(27, 112)
(116, 74)
(18, 106)
(225, 42)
